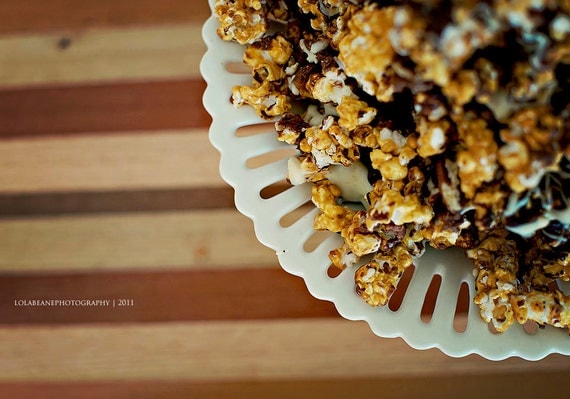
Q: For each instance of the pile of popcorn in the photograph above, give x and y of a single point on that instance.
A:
(440, 122)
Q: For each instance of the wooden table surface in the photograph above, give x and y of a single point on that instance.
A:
(109, 190)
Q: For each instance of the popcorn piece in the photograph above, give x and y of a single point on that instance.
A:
(544, 270)
(330, 144)
(463, 88)
(357, 237)
(330, 86)
(560, 27)
(244, 21)
(376, 281)
(266, 98)
(433, 137)
(337, 26)
(445, 235)
(392, 154)
(343, 257)
(474, 26)
(267, 56)
(290, 128)
(320, 15)
(496, 267)
(312, 47)
(529, 148)
(478, 162)
(366, 51)
(333, 217)
(353, 113)
(544, 308)
(405, 34)
(389, 205)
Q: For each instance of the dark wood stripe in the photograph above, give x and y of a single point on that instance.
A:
(519, 385)
(102, 108)
(160, 296)
(48, 204)
(229, 294)
(41, 15)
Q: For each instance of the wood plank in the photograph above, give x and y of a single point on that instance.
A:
(259, 350)
(98, 56)
(151, 200)
(158, 296)
(49, 15)
(524, 385)
(172, 104)
(71, 203)
(120, 161)
(134, 241)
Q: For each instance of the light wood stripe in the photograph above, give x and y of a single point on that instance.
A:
(119, 161)
(230, 351)
(164, 295)
(101, 55)
(185, 239)
(158, 105)
(50, 15)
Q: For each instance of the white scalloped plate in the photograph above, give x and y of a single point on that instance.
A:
(239, 168)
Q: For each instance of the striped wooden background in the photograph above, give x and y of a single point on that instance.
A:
(109, 189)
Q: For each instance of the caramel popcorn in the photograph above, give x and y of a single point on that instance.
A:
(366, 51)
(244, 21)
(267, 56)
(477, 162)
(333, 217)
(377, 279)
(529, 147)
(265, 98)
(353, 113)
(330, 144)
(499, 297)
(425, 123)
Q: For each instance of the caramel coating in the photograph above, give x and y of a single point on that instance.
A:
(244, 21)
(377, 279)
(459, 113)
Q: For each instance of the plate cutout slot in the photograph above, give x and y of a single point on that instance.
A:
(270, 157)
(290, 218)
(430, 299)
(492, 328)
(237, 67)
(461, 308)
(398, 296)
(315, 240)
(530, 327)
(275, 189)
(333, 271)
(252, 130)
